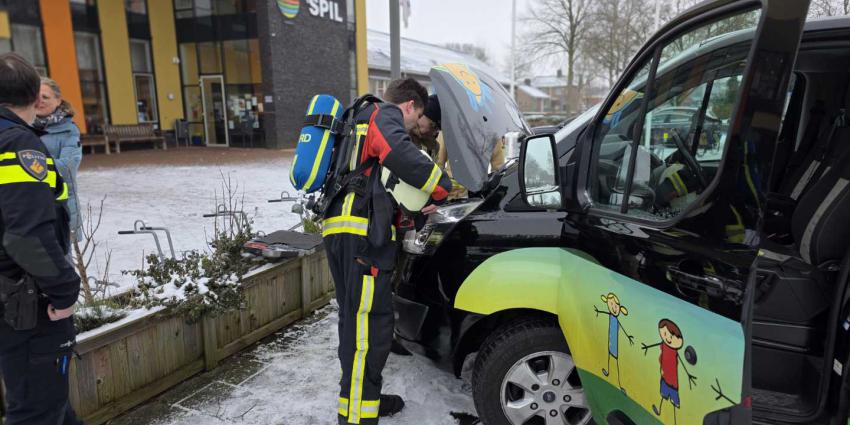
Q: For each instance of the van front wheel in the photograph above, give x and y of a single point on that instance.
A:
(525, 375)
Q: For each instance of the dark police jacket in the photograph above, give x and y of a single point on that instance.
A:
(33, 218)
(382, 138)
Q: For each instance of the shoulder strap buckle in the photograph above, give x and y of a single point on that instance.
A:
(324, 121)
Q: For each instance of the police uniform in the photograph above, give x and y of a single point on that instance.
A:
(34, 229)
(359, 239)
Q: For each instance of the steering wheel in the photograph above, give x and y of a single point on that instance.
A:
(689, 159)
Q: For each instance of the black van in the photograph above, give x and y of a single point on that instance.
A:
(626, 272)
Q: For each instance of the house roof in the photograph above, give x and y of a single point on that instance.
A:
(549, 81)
(418, 58)
(532, 91)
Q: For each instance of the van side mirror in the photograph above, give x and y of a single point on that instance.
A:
(538, 172)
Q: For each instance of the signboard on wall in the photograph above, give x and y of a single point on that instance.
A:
(324, 9)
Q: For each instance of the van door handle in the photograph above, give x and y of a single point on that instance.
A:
(713, 286)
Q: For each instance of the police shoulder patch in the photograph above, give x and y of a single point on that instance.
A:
(34, 163)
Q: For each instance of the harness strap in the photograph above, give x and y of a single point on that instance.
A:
(326, 121)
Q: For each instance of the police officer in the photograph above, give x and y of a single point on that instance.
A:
(359, 240)
(36, 338)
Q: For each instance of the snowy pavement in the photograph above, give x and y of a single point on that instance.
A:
(176, 193)
(293, 380)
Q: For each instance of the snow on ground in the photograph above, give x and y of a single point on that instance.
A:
(296, 380)
(177, 196)
(299, 380)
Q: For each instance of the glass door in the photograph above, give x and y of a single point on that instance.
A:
(215, 110)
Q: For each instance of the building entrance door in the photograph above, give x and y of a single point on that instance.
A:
(215, 110)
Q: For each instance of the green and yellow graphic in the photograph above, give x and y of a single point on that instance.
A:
(667, 382)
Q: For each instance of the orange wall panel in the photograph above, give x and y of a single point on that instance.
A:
(62, 53)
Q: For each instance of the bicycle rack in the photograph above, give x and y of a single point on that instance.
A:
(297, 207)
(222, 211)
(140, 228)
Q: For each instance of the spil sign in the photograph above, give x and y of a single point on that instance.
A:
(328, 9)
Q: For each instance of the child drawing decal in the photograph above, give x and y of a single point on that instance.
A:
(615, 309)
(671, 342)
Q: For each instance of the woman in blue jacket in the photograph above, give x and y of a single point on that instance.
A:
(55, 116)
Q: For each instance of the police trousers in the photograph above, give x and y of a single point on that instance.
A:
(364, 296)
(35, 365)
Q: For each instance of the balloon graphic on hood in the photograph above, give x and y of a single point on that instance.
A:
(288, 8)
(479, 94)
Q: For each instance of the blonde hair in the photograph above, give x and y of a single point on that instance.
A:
(613, 296)
(69, 110)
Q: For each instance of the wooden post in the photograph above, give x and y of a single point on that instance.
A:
(210, 343)
(305, 287)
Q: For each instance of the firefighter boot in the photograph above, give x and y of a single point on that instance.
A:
(390, 405)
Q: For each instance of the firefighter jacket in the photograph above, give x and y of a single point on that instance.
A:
(381, 138)
(33, 216)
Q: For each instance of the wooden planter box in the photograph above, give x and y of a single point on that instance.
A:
(134, 360)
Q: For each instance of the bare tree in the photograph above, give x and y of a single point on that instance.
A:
(478, 52)
(557, 27)
(829, 8)
(523, 65)
(83, 254)
(619, 28)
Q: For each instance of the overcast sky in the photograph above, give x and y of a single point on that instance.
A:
(486, 23)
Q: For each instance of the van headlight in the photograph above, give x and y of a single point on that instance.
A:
(426, 241)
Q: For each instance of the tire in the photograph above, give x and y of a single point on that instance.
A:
(506, 394)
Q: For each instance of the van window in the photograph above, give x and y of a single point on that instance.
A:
(675, 139)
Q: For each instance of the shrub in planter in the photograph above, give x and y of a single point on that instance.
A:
(94, 315)
(198, 283)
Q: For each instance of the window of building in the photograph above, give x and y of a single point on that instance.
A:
(27, 42)
(136, 6)
(200, 8)
(183, 9)
(243, 77)
(92, 84)
(378, 86)
(140, 56)
(209, 58)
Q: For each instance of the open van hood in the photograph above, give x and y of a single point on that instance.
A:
(476, 112)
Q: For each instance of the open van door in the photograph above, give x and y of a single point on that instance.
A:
(664, 199)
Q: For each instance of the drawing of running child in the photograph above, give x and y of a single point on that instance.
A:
(671, 342)
(615, 309)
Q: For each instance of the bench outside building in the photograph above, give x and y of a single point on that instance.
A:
(115, 135)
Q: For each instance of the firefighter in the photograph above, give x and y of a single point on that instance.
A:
(359, 237)
(429, 128)
(38, 286)
(424, 134)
